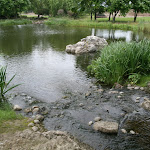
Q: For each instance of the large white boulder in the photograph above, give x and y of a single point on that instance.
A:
(87, 45)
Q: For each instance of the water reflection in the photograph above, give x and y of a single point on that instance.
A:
(115, 35)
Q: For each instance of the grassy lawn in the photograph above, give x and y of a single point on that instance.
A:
(8, 22)
(142, 24)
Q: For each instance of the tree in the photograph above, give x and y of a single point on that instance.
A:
(40, 7)
(116, 6)
(142, 6)
(91, 6)
(11, 8)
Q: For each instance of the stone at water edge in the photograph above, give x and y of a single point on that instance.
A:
(87, 45)
(35, 110)
(132, 132)
(146, 104)
(90, 123)
(17, 108)
(39, 117)
(35, 128)
(36, 121)
(106, 127)
(123, 131)
(31, 124)
(96, 119)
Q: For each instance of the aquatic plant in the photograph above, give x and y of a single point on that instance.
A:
(122, 61)
(4, 84)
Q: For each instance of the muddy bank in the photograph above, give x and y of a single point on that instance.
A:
(73, 112)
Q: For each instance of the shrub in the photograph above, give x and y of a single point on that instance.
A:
(120, 60)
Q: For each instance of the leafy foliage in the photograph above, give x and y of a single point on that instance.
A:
(11, 8)
(140, 6)
(120, 60)
(4, 84)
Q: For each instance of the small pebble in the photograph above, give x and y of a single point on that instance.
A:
(113, 92)
(90, 123)
(35, 128)
(129, 88)
(123, 131)
(35, 110)
(36, 121)
(81, 104)
(137, 101)
(142, 88)
(137, 88)
(31, 124)
(17, 108)
(97, 119)
(138, 98)
(100, 90)
(87, 94)
(132, 132)
(121, 93)
(119, 96)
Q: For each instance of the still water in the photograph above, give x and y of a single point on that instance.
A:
(36, 54)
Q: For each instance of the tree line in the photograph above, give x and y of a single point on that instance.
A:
(12, 8)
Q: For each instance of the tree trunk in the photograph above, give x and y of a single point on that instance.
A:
(95, 15)
(38, 16)
(135, 16)
(114, 18)
(91, 15)
(109, 16)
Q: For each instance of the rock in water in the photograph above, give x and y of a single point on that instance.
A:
(106, 127)
(87, 45)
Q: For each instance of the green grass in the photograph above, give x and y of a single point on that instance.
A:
(8, 22)
(142, 24)
(6, 113)
(122, 62)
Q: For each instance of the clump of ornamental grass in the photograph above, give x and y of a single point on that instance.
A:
(120, 62)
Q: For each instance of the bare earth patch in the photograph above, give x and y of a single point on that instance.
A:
(49, 140)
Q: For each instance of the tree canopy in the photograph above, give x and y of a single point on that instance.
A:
(11, 8)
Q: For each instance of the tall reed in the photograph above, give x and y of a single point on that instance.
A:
(120, 60)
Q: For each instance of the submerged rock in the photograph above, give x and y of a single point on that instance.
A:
(106, 127)
(87, 45)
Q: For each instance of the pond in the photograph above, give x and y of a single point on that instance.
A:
(36, 54)
(60, 83)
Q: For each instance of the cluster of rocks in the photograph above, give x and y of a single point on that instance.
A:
(104, 126)
(132, 87)
(87, 45)
(37, 118)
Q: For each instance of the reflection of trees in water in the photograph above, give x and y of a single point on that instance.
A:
(20, 39)
(83, 60)
(118, 35)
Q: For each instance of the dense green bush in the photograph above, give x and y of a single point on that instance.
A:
(12, 8)
(122, 61)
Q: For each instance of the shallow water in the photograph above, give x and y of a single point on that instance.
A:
(36, 54)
